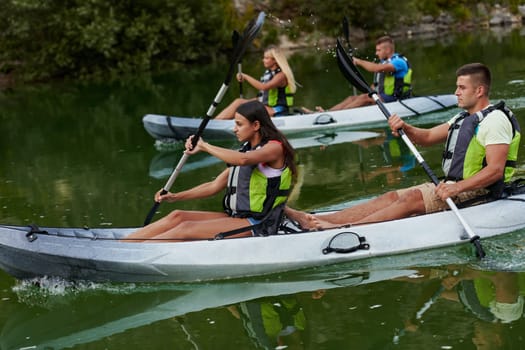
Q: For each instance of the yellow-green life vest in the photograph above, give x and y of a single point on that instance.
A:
(250, 193)
(464, 156)
(281, 96)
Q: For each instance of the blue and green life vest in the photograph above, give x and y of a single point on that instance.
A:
(250, 193)
(281, 96)
(399, 87)
(464, 156)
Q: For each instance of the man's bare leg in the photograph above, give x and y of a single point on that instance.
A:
(343, 103)
(346, 216)
(349, 102)
(389, 206)
(353, 101)
(408, 204)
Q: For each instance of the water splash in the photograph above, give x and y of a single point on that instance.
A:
(168, 145)
(506, 253)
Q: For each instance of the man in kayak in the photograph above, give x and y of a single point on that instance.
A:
(393, 77)
(479, 158)
(276, 87)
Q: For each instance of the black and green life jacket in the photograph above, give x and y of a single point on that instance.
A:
(464, 156)
(250, 193)
(281, 96)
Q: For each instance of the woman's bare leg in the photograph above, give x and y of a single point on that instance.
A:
(305, 220)
(204, 228)
(170, 221)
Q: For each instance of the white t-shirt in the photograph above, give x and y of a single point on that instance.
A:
(494, 129)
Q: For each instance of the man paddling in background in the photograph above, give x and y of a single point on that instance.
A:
(394, 77)
(480, 157)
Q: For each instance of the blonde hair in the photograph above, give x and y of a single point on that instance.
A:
(282, 62)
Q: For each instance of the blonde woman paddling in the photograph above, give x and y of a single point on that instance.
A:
(276, 87)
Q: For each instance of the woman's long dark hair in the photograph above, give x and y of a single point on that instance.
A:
(255, 110)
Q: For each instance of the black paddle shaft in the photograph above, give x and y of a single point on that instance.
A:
(241, 43)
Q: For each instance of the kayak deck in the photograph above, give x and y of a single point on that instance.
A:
(97, 254)
(172, 127)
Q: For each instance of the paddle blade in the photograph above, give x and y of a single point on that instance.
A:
(349, 70)
(243, 41)
(346, 31)
(235, 38)
(254, 26)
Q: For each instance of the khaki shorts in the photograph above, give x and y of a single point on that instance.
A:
(434, 203)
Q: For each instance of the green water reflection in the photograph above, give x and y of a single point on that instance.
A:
(77, 154)
(325, 309)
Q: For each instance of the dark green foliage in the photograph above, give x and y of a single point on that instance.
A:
(374, 16)
(54, 38)
(46, 39)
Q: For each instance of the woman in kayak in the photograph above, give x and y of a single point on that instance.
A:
(276, 87)
(257, 182)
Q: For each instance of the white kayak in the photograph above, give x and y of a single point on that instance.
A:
(163, 127)
(163, 163)
(98, 255)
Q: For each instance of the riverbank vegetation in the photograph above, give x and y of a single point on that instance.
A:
(53, 39)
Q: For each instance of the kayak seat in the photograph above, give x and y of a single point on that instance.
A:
(269, 225)
(290, 226)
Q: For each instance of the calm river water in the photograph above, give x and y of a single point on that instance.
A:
(77, 154)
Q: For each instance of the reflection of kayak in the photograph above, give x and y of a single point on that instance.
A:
(94, 316)
(97, 254)
(332, 139)
(164, 127)
(163, 163)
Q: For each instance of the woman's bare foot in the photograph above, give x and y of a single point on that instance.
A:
(306, 110)
(308, 221)
(303, 219)
(320, 224)
(309, 111)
